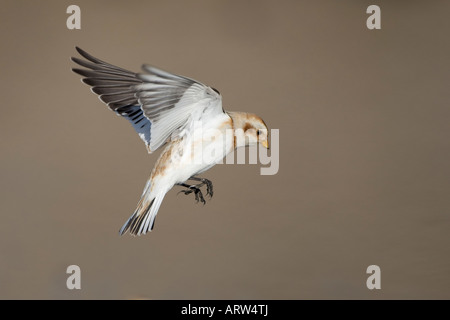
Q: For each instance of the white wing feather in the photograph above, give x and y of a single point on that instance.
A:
(172, 103)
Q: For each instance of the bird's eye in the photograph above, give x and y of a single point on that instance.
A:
(258, 132)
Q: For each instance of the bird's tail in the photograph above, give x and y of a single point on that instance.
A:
(143, 218)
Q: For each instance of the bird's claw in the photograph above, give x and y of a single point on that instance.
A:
(209, 188)
(196, 189)
(199, 196)
(208, 183)
(197, 192)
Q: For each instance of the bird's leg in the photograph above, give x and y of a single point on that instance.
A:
(208, 183)
(194, 188)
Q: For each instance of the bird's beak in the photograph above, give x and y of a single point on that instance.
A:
(265, 144)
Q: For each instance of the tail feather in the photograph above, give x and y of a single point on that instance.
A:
(149, 221)
(138, 217)
(143, 218)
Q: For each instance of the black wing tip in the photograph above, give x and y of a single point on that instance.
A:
(88, 56)
(76, 60)
(86, 81)
(79, 61)
(78, 71)
(81, 51)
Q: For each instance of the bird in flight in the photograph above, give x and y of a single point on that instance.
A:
(179, 113)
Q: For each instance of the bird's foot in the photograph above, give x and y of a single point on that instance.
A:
(208, 183)
(193, 188)
(209, 188)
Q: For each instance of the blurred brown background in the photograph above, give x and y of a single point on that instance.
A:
(364, 152)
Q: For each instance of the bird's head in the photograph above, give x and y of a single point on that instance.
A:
(250, 129)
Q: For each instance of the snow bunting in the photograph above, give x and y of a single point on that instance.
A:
(176, 111)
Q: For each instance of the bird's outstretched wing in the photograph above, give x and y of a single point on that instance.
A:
(159, 105)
